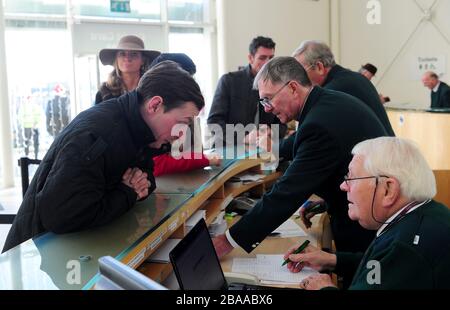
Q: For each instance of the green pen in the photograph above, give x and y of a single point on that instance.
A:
(299, 249)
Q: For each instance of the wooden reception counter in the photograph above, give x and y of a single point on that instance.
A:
(430, 129)
(70, 261)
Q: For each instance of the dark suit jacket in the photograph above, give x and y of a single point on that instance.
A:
(235, 102)
(330, 125)
(441, 98)
(355, 84)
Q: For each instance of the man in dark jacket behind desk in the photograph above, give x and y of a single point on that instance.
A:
(330, 124)
(101, 163)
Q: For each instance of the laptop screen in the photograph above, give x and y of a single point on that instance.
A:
(195, 261)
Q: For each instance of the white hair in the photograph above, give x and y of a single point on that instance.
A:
(315, 51)
(402, 160)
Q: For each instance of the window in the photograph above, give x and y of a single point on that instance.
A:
(186, 11)
(35, 7)
(52, 51)
(190, 41)
(38, 80)
(140, 9)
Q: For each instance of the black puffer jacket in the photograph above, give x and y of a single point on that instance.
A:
(78, 184)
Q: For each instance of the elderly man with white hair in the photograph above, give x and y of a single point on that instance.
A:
(389, 188)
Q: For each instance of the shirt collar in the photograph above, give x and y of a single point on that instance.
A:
(435, 89)
(383, 227)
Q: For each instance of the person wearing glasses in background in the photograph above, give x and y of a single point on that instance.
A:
(236, 102)
(394, 198)
(130, 60)
(330, 124)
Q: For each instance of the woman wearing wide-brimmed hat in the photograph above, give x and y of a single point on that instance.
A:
(130, 60)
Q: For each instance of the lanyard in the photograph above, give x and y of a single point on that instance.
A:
(402, 214)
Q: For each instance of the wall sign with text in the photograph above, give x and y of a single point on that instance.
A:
(422, 64)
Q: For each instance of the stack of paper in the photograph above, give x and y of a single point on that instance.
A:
(289, 229)
(268, 269)
(162, 254)
(247, 177)
(219, 225)
(197, 216)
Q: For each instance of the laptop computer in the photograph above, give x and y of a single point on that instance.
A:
(197, 266)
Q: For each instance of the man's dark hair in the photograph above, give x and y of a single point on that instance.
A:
(176, 86)
(260, 41)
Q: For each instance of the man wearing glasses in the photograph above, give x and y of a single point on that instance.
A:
(318, 61)
(330, 124)
(235, 102)
(394, 198)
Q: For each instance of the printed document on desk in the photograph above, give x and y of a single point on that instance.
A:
(268, 269)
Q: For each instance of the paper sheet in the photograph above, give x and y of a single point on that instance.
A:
(244, 265)
(290, 229)
(268, 269)
(197, 216)
(162, 254)
(249, 177)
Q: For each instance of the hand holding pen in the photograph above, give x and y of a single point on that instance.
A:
(296, 251)
(309, 256)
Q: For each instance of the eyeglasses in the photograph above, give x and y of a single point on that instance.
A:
(266, 102)
(128, 54)
(347, 179)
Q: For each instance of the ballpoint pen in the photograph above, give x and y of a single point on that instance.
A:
(299, 249)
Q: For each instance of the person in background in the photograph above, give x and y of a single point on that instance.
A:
(166, 163)
(30, 115)
(130, 60)
(411, 249)
(318, 60)
(236, 102)
(101, 163)
(369, 71)
(57, 111)
(440, 92)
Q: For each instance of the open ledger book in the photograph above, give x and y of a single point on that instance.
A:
(268, 270)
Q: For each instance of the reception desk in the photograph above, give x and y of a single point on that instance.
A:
(430, 129)
(70, 261)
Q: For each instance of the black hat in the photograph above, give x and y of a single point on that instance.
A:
(371, 68)
(182, 59)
